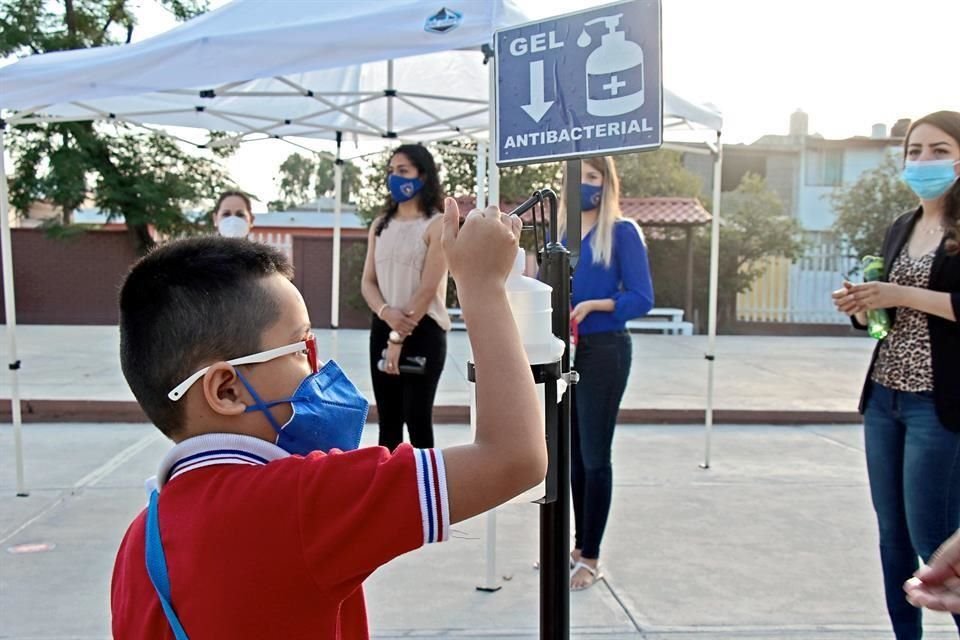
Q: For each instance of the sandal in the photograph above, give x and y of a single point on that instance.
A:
(595, 575)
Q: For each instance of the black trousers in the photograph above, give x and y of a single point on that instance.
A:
(603, 362)
(407, 398)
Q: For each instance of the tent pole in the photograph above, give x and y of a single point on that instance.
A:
(390, 94)
(9, 299)
(688, 299)
(712, 317)
(337, 210)
(493, 200)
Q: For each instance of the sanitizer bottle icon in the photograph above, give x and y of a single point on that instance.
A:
(614, 73)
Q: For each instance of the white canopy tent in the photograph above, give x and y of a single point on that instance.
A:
(334, 70)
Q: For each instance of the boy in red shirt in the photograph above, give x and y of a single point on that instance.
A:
(266, 518)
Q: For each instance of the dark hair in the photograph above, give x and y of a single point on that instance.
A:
(226, 194)
(949, 123)
(188, 304)
(431, 195)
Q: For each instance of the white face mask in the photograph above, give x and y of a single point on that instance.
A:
(233, 227)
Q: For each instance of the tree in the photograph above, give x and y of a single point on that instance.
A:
(145, 178)
(301, 176)
(296, 176)
(458, 172)
(372, 188)
(867, 207)
(755, 227)
(656, 173)
(326, 177)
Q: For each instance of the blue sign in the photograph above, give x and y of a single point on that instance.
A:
(578, 85)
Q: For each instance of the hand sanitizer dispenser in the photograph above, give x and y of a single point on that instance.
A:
(614, 71)
(531, 303)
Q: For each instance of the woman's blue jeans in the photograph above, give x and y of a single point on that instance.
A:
(603, 362)
(913, 463)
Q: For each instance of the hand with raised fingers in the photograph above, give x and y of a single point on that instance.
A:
(481, 253)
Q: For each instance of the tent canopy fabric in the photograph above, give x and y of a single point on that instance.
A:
(402, 69)
(293, 69)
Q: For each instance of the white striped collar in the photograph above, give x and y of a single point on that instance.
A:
(215, 448)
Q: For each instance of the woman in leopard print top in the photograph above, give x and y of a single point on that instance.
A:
(911, 398)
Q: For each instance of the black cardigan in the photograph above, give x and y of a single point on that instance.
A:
(944, 334)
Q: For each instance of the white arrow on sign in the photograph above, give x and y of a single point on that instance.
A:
(538, 107)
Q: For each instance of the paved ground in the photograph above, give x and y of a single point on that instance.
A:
(775, 540)
(758, 379)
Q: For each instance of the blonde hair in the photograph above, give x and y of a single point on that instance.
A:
(602, 241)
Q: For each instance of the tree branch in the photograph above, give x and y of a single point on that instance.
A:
(111, 16)
(70, 16)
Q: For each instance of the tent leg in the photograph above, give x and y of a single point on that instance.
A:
(337, 211)
(490, 582)
(6, 245)
(712, 318)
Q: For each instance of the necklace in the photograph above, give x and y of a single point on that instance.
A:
(938, 228)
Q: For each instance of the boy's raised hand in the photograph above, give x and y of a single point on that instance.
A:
(508, 454)
(483, 251)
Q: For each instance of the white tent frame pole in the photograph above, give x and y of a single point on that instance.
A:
(337, 211)
(712, 317)
(436, 119)
(10, 308)
(331, 105)
(390, 92)
(490, 582)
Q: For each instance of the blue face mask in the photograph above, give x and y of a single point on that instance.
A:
(590, 197)
(403, 189)
(328, 413)
(929, 179)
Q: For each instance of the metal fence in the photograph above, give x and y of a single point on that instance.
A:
(799, 291)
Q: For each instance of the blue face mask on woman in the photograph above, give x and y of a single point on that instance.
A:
(403, 189)
(590, 197)
(329, 412)
(929, 179)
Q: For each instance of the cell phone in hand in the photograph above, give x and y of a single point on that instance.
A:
(416, 365)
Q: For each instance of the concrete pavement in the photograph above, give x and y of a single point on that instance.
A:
(73, 373)
(775, 541)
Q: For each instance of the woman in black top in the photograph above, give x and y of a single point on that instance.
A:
(911, 398)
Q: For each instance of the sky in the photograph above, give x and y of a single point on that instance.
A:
(847, 63)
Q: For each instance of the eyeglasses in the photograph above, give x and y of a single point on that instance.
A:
(308, 346)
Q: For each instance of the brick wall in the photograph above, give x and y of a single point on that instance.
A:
(312, 258)
(70, 281)
(76, 281)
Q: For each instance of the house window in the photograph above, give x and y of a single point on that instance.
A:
(825, 168)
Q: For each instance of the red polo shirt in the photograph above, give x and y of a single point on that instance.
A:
(260, 544)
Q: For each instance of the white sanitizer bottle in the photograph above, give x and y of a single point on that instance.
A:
(614, 71)
(532, 306)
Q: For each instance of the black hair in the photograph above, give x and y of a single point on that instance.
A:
(188, 304)
(949, 123)
(431, 195)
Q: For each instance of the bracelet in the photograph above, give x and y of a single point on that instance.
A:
(385, 305)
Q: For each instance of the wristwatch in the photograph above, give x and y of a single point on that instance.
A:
(395, 338)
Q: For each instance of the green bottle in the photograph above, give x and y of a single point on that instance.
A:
(878, 320)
